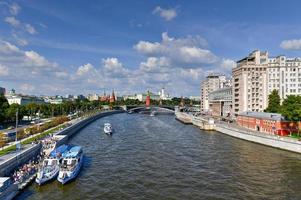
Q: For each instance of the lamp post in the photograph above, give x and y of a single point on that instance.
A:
(17, 112)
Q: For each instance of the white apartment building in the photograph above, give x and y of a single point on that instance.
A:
(249, 83)
(211, 83)
(284, 75)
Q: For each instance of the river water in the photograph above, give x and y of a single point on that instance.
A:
(160, 158)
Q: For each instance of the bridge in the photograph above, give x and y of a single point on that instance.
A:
(149, 109)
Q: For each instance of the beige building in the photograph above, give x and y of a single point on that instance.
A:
(211, 83)
(249, 83)
(284, 75)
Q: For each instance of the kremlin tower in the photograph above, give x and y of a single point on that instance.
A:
(112, 98)
(147, 100)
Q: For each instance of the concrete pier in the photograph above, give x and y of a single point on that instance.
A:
(201, 122)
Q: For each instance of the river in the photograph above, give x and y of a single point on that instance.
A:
(160, 158)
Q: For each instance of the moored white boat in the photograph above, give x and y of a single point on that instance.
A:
(49, 168)
(108, 128)
(71, 164)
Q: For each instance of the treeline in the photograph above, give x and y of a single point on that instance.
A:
(290, 108)
(8, 112)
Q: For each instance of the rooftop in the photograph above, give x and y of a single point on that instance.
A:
(263, 115)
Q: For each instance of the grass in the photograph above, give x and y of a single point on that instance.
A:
(7, 150)
(30, 140)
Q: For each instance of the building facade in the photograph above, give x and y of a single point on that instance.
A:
(270, 123)
(220, 102)
(249, 83)
(211, 83)
(24, 100)
(284, 75)
(2, 91)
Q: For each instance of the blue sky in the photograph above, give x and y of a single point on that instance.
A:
(81, 47)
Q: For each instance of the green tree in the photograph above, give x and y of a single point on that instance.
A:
(291, 108)
(11, 112)
(274, 102)
(3, 106)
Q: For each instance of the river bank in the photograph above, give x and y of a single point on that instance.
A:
(276, 141)
(11, 162)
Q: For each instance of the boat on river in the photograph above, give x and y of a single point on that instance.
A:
(107, 128)
(49, 168)
(71, 164)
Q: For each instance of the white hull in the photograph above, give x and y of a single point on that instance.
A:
(108, 129)
(66, 176)
(47, 177)
(48, 172)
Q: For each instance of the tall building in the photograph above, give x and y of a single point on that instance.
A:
(249, 83)
(2, 91)
(284, 75)
(211, 83)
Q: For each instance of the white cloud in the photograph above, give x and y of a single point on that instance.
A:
(183, 52)
(113, 68)
(112, 64)
(30, 29)
(167, 14)
(14, 9)
(26, 64)
(4, 71)
(85, 69)
(154, 64)
(12, 21)
(228, 64)
(291, 44)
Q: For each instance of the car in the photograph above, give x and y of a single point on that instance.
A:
(11, 127)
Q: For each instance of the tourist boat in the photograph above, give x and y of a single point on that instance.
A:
(107, 128)
(49, 168)
(71, 164)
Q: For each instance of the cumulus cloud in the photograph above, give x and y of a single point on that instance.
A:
(154, 64)
(291, 44)
(113, 68)
(166, 14)
(184, 52)
(26, 64)
(85, 69)
(12, 21)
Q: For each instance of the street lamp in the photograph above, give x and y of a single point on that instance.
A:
(17, 112)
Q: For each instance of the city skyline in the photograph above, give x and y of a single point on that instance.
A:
(138, 46)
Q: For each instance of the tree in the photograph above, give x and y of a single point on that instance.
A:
(2, 140)
(274, 102)
(11, 112)
(291, 108)
(3, 106)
